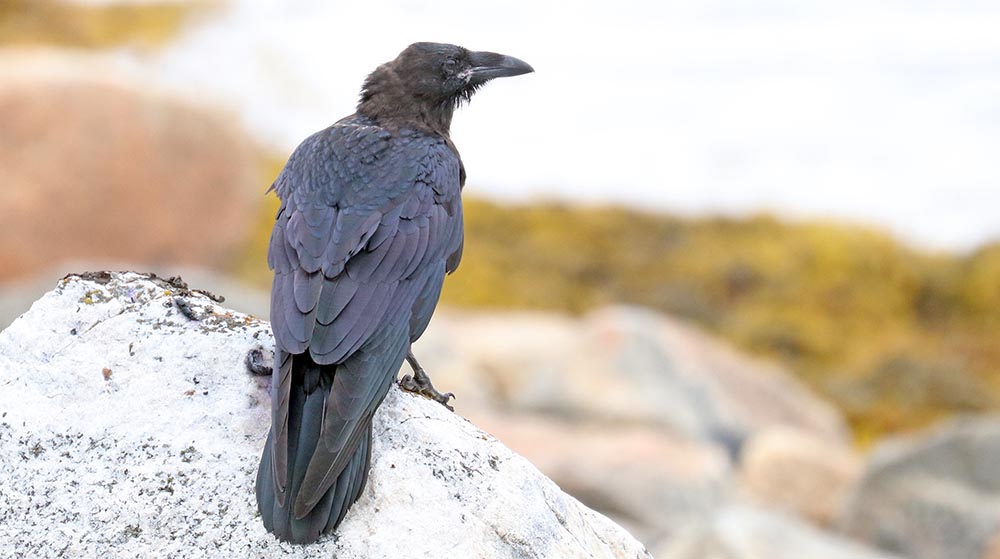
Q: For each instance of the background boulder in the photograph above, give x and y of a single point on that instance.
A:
(622, 364)
(799, 473)
(934, 495)
(638, 414)
(742, 532)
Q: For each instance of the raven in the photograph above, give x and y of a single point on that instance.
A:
(369, 224)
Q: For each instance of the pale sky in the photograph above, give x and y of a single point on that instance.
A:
(884, 112)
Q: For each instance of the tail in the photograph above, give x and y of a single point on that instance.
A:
(305, 419)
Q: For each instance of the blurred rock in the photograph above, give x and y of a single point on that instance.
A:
(742, 532)
(620, 364)
(634, 413)
(648, 480)
(799, 473)
(98, 166)
(993, 550)
(935, 495)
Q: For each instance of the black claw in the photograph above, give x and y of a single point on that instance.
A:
(444, 400)
(421, 384)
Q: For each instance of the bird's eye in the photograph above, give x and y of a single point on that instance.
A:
(450, 65)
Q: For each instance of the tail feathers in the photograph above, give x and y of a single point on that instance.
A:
(328, 512)
(305, 419)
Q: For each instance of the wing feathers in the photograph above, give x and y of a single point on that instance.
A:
(420, 249)
(307, 288)
(334, 298)
(387, 227)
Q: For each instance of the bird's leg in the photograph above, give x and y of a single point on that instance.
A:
(420, 383)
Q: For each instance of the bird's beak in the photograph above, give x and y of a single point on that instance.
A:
(489, 65)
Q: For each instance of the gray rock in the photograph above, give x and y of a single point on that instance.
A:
(935, 495)
(743, 532)
(129, 428)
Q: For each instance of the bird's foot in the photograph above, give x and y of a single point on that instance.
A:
(420, 383)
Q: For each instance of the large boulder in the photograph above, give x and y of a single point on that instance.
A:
(130, 426)
(934, 495)
(97, 165)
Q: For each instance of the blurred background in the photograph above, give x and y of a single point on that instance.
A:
(732, 268)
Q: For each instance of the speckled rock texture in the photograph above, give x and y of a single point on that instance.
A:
(131, 427)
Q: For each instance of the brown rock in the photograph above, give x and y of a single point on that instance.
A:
(98, 167)
(799, 473)
(993, 551)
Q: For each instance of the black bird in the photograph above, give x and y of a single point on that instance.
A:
(370, 222)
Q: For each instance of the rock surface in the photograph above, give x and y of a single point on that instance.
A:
(935, 495)
(129, 425)
(98, 166)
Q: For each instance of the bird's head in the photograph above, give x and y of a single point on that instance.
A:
(429, 80)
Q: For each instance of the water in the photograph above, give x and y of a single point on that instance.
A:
(883, 112)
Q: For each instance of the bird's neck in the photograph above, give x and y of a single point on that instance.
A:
(386, 100)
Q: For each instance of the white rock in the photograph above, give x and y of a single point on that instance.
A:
(130, 430)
